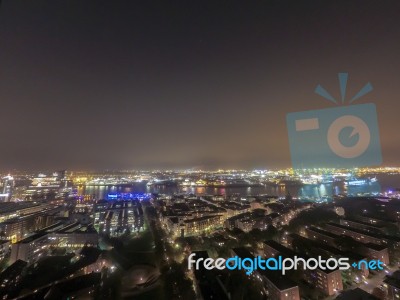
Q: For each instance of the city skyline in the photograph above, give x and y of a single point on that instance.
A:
(143, 235)
(199, 150)
(96, 85)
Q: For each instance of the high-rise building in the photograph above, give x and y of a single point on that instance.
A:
(7, 183)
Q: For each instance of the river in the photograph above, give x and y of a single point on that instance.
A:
(385, 183)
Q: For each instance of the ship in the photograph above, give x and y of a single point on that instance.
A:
(359, 181)
(355, 182)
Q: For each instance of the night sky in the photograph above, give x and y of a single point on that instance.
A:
(173, 84)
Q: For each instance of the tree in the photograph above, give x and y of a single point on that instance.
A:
(315, 216)
(177, 283)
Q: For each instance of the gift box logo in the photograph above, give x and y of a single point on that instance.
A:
(340, 137)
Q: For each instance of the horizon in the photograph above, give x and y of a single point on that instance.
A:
(200, 170)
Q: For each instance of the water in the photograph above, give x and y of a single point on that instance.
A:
(312, 192)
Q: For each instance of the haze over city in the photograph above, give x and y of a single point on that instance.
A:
(203, 150)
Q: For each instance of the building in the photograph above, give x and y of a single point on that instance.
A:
(317, 248)
(17, 228)
(276, 286)
(373, 228)
(7, 184)
(30, 248)
(392, 285)
(74, 236)
(370, 250)
(11, 276)
(327, 281)
(232, 222)
(374, 251)
(10, 210)
(363, 236)
(4, 248)
(207, 282)
(377, 221)
(279, 287)
(357, 234)
(200, 225)
(356, 294)
(114, 218)
(234, 208)
(246, 224)
(321, 235)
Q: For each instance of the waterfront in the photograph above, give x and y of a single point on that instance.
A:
(312, 192)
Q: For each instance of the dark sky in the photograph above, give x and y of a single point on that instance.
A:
(171, 84)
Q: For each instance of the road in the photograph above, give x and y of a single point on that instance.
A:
(375, 281)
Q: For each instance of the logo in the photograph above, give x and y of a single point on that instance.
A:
(281, 264)
(338, 137)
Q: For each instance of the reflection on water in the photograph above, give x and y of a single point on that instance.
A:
(310, 192)
(314, 192)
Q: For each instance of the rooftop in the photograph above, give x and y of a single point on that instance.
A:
(31, 238)
(328, 248)
(7, 207)
(376, 246)
(278, 280)
(367, 233)
(284, 251)
(323, 232)
(200, 219)
(392, 281)
(356, 294)
(378, 226)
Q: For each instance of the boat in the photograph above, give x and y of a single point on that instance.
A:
(360, 181)
(355, 182)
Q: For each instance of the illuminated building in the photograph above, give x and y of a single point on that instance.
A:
(234, 208)
(118, 217)
(44, 181)
(17, 228)
(279, 287)
(11, 276)
(327, 281)
(248, 224)
(322, 235)
(356, 294)
(362, 235)
(7, 188)
(377, 221)
(173, 225)
(200, 225)
(318, 248)
(9, 210)
(185, 216)
(374, 251)
(4, 248)
(370, 250)
(74, 236)
(22, 219)
(208, 282)
(232, 222)
(392, 285)
(180, 226)
(275, 285)
(377, 228)
(30, 248)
